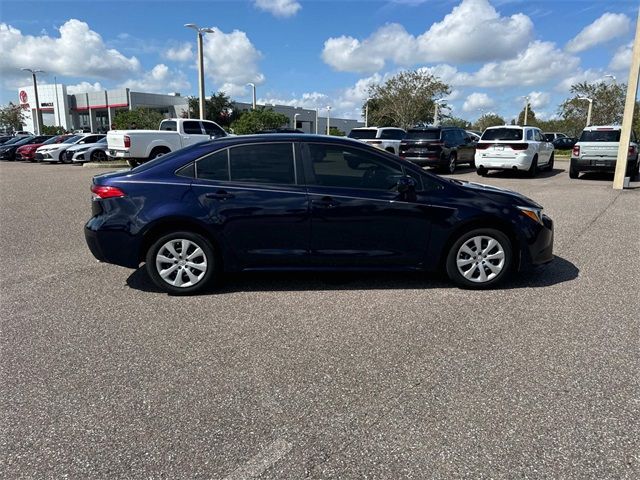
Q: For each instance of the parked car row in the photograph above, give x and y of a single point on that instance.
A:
(64, 148)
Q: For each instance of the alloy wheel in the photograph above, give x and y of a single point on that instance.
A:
(480, 259)
(181, 263)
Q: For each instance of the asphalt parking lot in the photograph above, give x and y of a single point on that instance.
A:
(319, 376)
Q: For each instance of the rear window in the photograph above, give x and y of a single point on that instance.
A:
(363, 134)
(600, 136)
(192, 128)
(549, 136)
(395, 134)
(168, 125)
(433, 134)
(502, 134)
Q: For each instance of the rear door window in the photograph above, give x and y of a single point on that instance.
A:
(192, 128)
(270, 163)
(169, 125)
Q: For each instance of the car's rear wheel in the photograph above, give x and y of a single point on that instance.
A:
(482, 171)
(98, 156)
(552, 161)
(533, 169)
(573, 171)
(181, 263)
(451, 163)
(480, 259)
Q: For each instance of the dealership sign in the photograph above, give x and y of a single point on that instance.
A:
(23, 96)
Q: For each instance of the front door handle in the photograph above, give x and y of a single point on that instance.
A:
(325, 202)
(219, 195)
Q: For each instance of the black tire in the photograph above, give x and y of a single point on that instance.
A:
(450, 167)
(552, 162)
(635, 174)
(482, 171)
(195, 239)
(472, 163)
(98, 156)
(533, 169)
(158, 152)
(573, 171)
(457, 276)
(133, 162)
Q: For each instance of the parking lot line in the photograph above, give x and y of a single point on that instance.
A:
(260, 462)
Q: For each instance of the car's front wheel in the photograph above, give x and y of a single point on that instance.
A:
(480, 259)
(181, 263)
(573, 170)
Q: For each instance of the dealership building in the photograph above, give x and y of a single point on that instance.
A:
(94, 111)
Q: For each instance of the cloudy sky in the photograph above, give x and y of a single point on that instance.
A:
(319, 53)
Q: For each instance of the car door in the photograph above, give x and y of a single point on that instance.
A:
(256, 203)
(193, 133)
(546, 148)
(358, 218)
(465, 146)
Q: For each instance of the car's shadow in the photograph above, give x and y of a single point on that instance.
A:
(558, 271)
(522, 174)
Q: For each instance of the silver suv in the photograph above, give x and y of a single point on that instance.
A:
(597, 151)
(384, 138)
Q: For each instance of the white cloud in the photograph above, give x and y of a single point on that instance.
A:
(621, 60)
(84, 87)
(160, 79)
(580, 76)
(180, 53)
(473, 32)
(477, 101)
(231, 61)
(77, 52)
(605, 28)
(279, 8)
(539, 99)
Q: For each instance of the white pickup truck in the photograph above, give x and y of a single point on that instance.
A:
(137, 146)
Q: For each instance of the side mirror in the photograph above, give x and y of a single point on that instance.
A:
(406, 185)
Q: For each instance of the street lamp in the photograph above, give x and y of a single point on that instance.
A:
(328, 117)
(612, 77)
(316, 121)
(590, 100)
(366, 112)
(295, 124)
(200, 31)
(436, 105)
(526, 110)
(37, 122)
(253, 86)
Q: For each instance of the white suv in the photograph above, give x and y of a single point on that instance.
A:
(384, 138)
(511, 147)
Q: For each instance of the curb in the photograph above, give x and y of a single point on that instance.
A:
(106, 165)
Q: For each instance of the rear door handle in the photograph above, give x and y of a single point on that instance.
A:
(219, 195)
(325, 202)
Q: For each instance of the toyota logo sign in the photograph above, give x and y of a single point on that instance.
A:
(23, 96)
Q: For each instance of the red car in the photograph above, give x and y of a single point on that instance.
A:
(28, 152)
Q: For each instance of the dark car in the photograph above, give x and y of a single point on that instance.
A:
(564, 143)
(291, 202)
(441, 147)
(8, 151)
(5, 138)
(281, 130)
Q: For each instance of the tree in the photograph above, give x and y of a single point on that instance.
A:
(456, 122)
(49, 130)
(11, 117)
(217, 108)
(531, 118)
(140, 118)
(254, 121)
(608, 105)
(336, 132)
(488, 120)
(405, 100)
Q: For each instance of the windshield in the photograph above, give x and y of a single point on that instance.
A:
(363, 134)
(102, 140)
(13, 141)
(502, 134)
(24, 141)
(55, 139)
(73, 139)
(600, 136)
(432, 134)
(549, 137)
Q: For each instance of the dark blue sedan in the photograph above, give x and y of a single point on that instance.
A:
(291, 202)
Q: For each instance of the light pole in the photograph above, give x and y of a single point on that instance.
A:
(366, 112)
(526, 110)
(316, 121)
(612, 77)
(328, 118)
(253, 102)
(200, 31)
(590, 100)
(295, 124)
(37, 122)
(436, 111)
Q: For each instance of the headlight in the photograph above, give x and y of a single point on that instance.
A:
(534, 214)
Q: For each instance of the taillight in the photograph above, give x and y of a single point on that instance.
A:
(127, 141)
(519, 146)
(482, 146)
(104, 191)
(576, 151)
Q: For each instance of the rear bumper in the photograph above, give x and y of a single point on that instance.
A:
(520, 161)
(598, 164)
(432, 161)
(114, 153)
(109, 246)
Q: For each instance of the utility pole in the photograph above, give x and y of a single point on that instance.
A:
(590, 100)
(253, 86)
(435, 114)
(526, 110)
(366, 113)
(37, 121)
(200, 31)
(55, 86)
(328, 118)
(632, 91)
